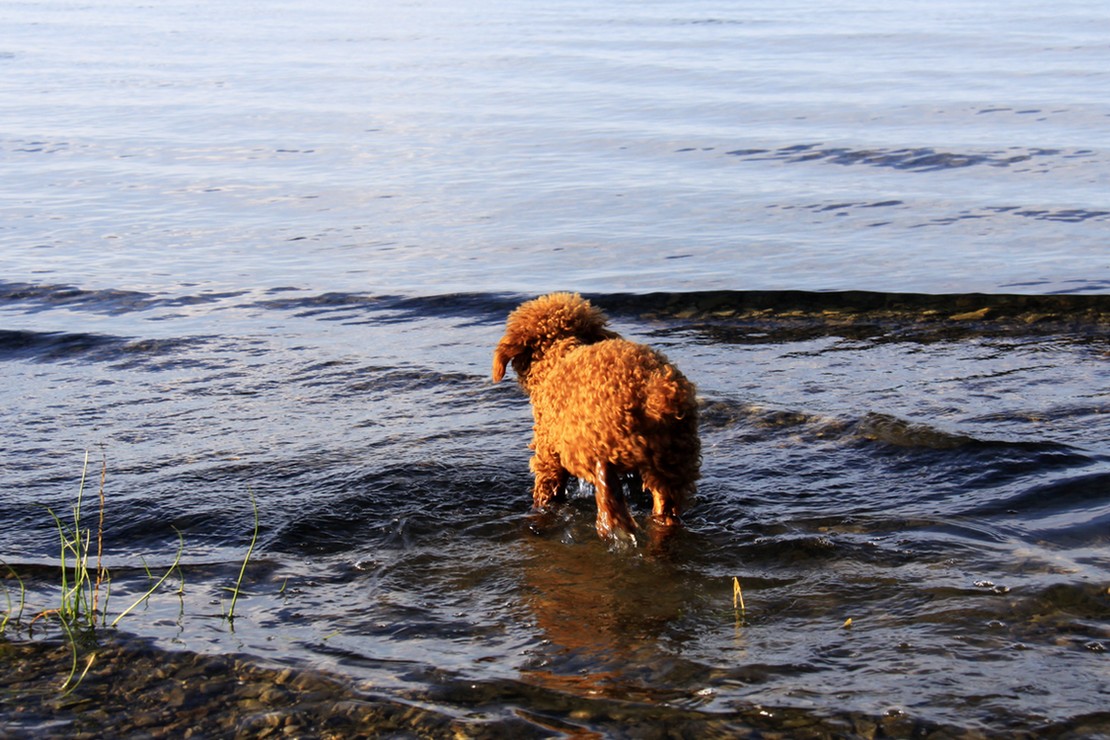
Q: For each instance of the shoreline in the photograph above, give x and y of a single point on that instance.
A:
(140, 690)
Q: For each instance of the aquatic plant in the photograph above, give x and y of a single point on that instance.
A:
(230, 616)
(83, 581)
(8, 597)
(175, 565)
(738, 608)
(80, 585)
(80, 588)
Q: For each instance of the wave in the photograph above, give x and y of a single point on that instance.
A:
(706, 317)
(36, 298)
(1084, 308)
(1030, 307)
(877, 472)
(53, 346)
(795, 303)
(58, 346)
(1071, 510)
(740, 316)
(888, 431)
(913, 159)
(399, 308)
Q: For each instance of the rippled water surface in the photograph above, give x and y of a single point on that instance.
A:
(437, 146)
(266, 250)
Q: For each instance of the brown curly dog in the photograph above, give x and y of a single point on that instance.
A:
(604, 408)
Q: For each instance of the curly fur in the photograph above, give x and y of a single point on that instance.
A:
(604, 408)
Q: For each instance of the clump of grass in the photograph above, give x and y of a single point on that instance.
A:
(80, 588)
(86, 583)
(84, 580)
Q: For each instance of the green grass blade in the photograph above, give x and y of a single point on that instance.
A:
(243, 568)
(22, 600)
(152, 589)
(73, 653)
(64, 608)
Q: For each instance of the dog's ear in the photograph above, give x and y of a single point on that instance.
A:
(506, 351)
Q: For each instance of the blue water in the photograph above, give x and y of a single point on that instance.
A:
(436, 147)
(267, 249)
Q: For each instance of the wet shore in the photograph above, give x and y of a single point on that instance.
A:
(134, 690)
(791, 315)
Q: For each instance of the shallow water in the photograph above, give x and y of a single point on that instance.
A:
(942, 483)
(269, 251)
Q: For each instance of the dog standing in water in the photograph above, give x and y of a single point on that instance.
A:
(604, 408)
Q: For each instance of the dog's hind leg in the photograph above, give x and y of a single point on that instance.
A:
(666, 505)
(550, 481)
(612, 509)
(664, 510)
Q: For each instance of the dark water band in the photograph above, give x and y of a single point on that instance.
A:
(1081, 310)
(962, 312)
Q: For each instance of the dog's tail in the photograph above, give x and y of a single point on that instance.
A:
(669, 396)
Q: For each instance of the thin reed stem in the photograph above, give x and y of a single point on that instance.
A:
(22, 601)
(100, 543)
(73, 652)
(152, 589)
(738, 602)
(243, 568)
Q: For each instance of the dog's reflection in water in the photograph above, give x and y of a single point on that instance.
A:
(607, 616)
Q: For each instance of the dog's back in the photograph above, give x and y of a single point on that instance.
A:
(620, 402)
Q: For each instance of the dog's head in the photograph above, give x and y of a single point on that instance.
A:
(534, 327)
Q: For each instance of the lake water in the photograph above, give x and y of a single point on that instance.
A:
(267, 249)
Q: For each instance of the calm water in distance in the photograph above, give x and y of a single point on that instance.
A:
(434, 147)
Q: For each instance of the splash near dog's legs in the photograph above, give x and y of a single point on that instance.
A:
(612, 509)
